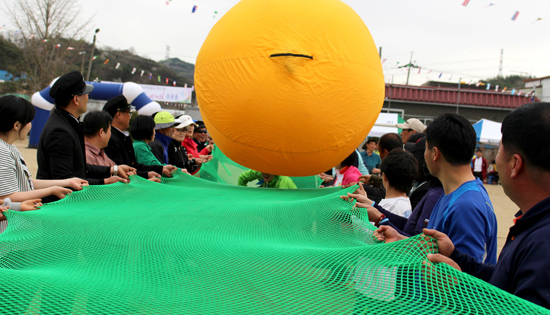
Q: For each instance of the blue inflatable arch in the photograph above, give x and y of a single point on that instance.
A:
(43, 103)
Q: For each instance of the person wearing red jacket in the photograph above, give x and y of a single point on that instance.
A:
(189, 144)
(479, 166)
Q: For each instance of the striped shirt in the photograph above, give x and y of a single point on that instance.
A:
(15, 206)
(14, 173)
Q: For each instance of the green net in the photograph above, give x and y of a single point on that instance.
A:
(222, 169)
(197, 247)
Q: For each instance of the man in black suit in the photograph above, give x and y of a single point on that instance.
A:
(61, 150)
(120, 148)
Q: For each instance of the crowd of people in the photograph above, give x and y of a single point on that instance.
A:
(455, 208)
(421, 181)
(97, 151)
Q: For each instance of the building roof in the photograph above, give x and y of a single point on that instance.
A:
(442, 95)
(536, 79)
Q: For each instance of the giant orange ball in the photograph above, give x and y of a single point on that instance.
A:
(289, 87)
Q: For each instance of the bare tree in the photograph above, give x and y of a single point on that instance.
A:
(51, 32)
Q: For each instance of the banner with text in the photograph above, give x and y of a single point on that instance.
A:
(170, 94)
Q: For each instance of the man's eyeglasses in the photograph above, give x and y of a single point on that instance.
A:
(201, 131)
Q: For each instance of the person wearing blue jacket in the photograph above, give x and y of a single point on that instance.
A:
(464, 212)
(524, 169)
(164, 127)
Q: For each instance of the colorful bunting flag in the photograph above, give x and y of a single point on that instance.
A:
(159, 78)
(82, 52)
(513, 91)
(490, 5)
(465, 3)
(117, 65)
(150, 75)
(45, 40)
(166, 80)
(58, 45)
(174, 83)
(496, 88)
(133, 70)
(440, 75)
(384, 60)
(537, 20)
(420, 68)
(519, 93)
(70, 48)
(106, 61)
(142, 71)
(488, 86)
(31, 36)
(194, 9)
(94, 58)
(504, 89)
(515, 16)
(429, 71)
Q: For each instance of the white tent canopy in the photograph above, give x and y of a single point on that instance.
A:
(488, 131)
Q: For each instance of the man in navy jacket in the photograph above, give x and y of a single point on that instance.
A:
(522, 268)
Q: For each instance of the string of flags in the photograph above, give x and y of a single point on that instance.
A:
(477, 83)
(142, 72)
(514, 16)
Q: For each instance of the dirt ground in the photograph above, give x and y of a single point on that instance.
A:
(504, 207)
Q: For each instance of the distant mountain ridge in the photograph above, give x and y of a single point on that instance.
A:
(182, 68)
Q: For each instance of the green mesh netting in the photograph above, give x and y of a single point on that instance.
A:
(191, 246)
(222, 169)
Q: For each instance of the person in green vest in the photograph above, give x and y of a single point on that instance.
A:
(266, 180)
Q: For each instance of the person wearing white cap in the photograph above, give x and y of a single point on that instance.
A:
(410, 127)
(164, 127)
(177, 154)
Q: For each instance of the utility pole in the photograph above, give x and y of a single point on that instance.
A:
(458, 97)
(500, 65)
(410, 65)
(391, 90)
(91, 57)
(380, 52)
